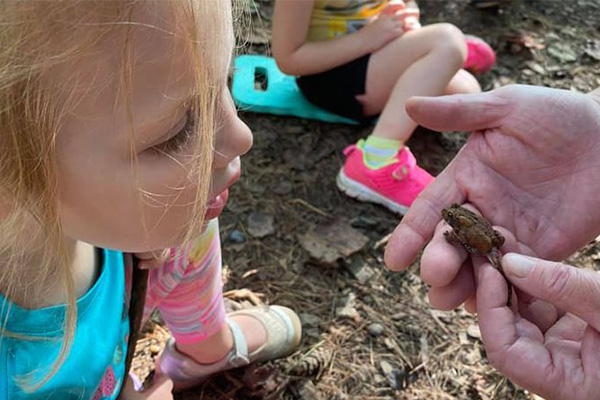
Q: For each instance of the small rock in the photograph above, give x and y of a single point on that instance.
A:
(260, 225)
(375, 329)
(347, 312)
(473, 331)
(236, 236)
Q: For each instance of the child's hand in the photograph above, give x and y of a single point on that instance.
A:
(383, 30)
(161, 389)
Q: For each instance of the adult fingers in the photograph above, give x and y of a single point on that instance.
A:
(456, 292)
(574, 290)
(441, 260)
(465, 112)
(418, 225)
(513, 344)
(471, 304)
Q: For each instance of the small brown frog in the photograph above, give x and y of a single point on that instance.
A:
(476, 235)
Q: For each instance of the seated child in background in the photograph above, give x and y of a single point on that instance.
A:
(363, 59)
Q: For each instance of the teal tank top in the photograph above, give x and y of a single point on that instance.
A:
(95, 366)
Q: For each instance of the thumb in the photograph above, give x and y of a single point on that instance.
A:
(464, 112)
(572, 289)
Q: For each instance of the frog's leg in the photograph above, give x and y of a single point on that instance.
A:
(451, 237)
(499, 237)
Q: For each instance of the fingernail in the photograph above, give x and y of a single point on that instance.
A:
(518, 265)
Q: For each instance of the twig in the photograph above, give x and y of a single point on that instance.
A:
(382, 242)
(309, 206)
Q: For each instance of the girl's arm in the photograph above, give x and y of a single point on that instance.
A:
(296, 56)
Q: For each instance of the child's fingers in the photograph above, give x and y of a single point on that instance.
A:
(161, 389)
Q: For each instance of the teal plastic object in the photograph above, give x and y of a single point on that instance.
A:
(259, 86)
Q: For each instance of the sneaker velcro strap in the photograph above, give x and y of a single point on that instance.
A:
(239, 355)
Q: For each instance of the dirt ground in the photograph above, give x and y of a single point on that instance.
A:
(370, 333)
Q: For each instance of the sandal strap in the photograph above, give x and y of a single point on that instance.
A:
(238, 357)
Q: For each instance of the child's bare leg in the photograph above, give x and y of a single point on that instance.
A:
(419, 63)
(463, 82)
(187, 291)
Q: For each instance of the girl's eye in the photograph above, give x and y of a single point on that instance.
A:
(180, 140)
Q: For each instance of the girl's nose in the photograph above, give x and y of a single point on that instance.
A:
(233, 137)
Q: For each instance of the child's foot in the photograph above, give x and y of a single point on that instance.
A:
(280, 335)
(480, 56)
(395, 185)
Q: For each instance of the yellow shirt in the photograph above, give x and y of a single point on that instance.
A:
(333, 18)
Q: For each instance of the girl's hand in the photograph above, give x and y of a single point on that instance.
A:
(161, 389)
(382, 31)
(559, 359)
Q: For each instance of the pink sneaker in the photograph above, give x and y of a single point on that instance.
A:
(394, 186)
(480, 56)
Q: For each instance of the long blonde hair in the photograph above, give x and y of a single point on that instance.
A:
(36, 36)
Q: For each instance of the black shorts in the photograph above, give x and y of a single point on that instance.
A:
(335, 90)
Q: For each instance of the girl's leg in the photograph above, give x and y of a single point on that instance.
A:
(463, 82)
(419, 63)
(422, 62)
(188, 293)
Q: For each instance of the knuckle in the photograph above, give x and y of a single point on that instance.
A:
(560, 283)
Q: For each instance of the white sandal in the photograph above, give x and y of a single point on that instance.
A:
(284, 332)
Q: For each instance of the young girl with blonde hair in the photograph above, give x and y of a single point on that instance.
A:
(363, 59)
(118, 136)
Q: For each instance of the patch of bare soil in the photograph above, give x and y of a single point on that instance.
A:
(370, 333)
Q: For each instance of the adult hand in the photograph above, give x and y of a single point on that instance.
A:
(559, 361)
(531, 166)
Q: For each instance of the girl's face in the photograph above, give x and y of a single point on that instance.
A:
(99, 199)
